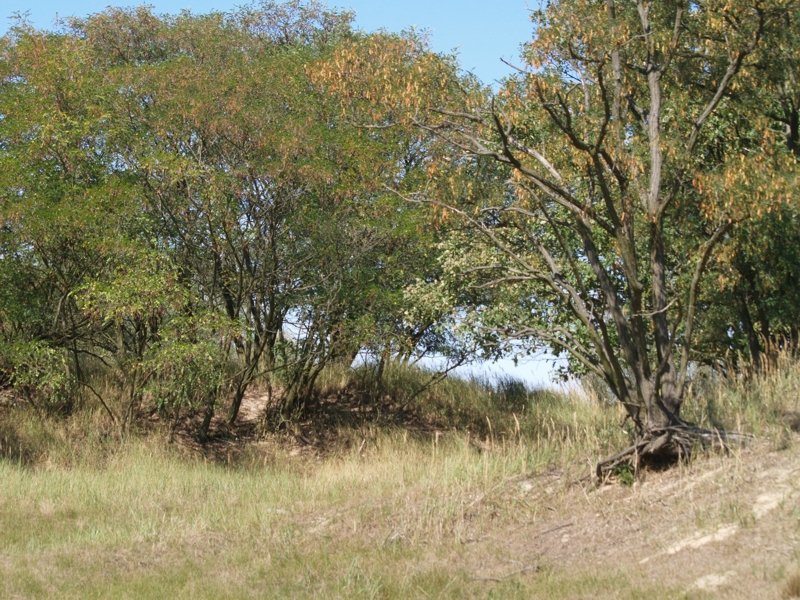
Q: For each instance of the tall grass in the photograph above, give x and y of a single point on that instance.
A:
(502, 412)
(86, 513)
(766, 404)
(150, 523)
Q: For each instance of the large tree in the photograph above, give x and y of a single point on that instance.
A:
(612, 139)
(173, 179)
(617, 193)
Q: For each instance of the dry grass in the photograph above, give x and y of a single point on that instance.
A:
(792, 587)
(390, 523)
(486, 506)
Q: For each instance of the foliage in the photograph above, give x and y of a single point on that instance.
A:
(157, 170)
(751, 307)
(188, 366)
(629, 150)
(38, 372)
(196, 203)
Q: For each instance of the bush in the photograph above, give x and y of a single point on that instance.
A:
(188, 366)
(38, 373)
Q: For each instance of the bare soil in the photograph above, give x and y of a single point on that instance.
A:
(722, 527)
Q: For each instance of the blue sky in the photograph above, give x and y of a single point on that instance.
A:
(482, 32)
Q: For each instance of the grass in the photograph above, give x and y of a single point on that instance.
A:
(151, 524)
(85, 513)
(501, 412)
(758, 404)
(792, 587)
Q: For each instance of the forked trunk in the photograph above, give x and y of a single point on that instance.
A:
(663, 404)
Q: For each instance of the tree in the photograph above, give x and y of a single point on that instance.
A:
(166, 173)
(58, 200)
(598, 244)
(752, 308)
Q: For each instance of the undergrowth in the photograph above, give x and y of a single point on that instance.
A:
(559, 426)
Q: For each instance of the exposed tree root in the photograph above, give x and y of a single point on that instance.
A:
(664, 447)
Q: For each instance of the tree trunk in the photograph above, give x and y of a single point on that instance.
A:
(238, 396)
(753, 342)
(205, 426)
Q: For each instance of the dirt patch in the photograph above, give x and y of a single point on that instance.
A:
(722, 527)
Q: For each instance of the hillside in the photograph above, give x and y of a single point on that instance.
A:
(401, 513)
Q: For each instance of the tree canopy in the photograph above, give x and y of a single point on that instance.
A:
(218, 199)
(638, 159)
(179, 198)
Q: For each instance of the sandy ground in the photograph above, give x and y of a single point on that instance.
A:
(723, 527)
